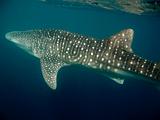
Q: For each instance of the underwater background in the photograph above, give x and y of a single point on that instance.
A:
(81, 94)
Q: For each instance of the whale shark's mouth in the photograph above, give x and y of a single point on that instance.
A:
(8, 36)
(15, 38)
(11, 36)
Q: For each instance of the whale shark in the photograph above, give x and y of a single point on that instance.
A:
(113, 56)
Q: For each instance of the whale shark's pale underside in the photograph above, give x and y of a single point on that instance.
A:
(112, 57)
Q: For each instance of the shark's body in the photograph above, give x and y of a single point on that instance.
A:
(113, 56)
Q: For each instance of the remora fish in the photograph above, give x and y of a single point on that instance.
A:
(112, 56)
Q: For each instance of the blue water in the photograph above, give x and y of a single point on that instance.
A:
(81, 93)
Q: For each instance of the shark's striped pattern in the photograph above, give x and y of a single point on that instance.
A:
(56, 48)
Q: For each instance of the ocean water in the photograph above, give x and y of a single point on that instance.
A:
(81, 94)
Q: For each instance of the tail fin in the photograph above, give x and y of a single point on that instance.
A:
(158, 67)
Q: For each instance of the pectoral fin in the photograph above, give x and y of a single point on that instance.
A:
(50, 67)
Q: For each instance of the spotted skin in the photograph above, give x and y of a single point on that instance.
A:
(56, 48)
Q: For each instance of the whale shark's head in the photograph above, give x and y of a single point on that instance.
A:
(24, 39)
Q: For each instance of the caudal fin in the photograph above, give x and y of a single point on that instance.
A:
(158, 70)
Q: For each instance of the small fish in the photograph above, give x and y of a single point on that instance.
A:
(111, 56)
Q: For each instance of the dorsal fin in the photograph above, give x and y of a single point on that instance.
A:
(121, 40)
